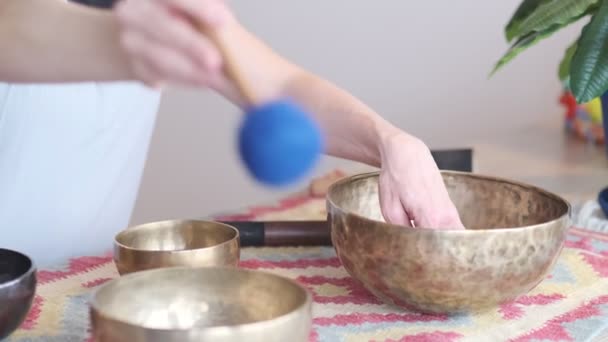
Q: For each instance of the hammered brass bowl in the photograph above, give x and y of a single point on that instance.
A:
(515, 233)
(220, 304)
(17, 289)
(175, 243)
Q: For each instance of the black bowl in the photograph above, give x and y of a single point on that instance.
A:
(603, 200)
(17, 289)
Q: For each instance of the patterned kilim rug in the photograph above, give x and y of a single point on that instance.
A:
(570, 305)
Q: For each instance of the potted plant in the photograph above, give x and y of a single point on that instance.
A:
(584, 66)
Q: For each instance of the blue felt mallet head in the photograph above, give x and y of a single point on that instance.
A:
(279, 143)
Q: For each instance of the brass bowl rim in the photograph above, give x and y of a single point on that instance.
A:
(236, 237)
(31, 271)
(306, 304)
(499, 230)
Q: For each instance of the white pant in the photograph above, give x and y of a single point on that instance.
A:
(71, 160)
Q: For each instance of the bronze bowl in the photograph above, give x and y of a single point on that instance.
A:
(182, 304)
(175, 243)
(17, 290)
(515, 233)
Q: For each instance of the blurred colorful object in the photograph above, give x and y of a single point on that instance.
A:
(584, 120)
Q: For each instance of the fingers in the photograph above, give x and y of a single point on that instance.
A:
(390, 205)
(147, 76)
(156, 24)
(211, 13)
(436, 216)
(153, 63)
(428, 203)
(411, 175)
(163, 44)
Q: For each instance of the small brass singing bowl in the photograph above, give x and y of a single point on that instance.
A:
(220, 304)
(515, 233)
(174, 243)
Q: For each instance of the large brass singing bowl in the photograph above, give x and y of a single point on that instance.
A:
(515, 233)
(220, 304)
(174, 243)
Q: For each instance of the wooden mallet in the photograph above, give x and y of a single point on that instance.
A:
(278, 141)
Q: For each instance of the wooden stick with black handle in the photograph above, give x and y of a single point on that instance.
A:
(283, 233)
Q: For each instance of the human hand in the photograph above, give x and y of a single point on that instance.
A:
(164, 46)
(411, 186)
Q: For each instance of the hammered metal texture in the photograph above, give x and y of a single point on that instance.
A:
(183, 304)
(514, 235)
(174, 243)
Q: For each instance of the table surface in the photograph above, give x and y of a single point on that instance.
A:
(571, 304)
(543, 155)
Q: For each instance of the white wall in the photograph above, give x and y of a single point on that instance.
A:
(421, 64)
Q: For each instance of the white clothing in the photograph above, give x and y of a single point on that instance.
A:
(71, 161)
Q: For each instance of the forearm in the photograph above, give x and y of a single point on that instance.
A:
(54, 41)
(353, 130)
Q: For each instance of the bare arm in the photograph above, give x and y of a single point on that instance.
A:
(55, 41)
(410, 185)
(354, 131)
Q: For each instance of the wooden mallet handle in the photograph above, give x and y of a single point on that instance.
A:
(231, 67)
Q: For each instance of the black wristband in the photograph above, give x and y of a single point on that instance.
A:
(96, 3)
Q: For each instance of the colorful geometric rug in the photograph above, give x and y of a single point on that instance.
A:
(570, 305)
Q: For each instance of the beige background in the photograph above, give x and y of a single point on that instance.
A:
(423, 65)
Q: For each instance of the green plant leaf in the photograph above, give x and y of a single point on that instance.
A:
(564, 65)
(550, 13)
(519, 46)
(589, 65)
(528, 40)
(525, 8)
